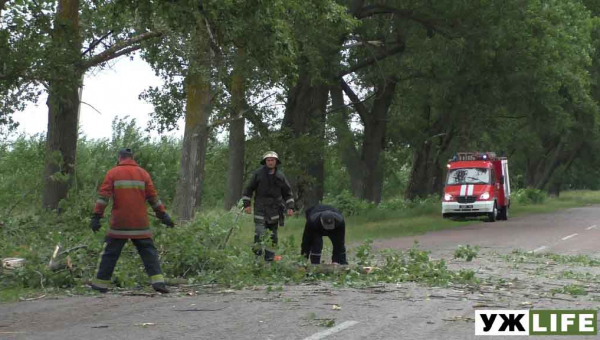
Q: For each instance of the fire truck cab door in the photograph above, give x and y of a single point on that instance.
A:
(506, 178)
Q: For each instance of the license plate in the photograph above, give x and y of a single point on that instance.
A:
(466, 206)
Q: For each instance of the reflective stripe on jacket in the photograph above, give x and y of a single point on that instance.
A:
(272, 193)
(130, 187)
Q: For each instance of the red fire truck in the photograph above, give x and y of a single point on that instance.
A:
(477, 184)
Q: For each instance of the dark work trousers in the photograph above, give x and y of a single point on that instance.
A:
(315, 237)
(269, 247)
(112, 251)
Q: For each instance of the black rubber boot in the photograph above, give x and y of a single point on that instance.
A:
(160, 287)
(269, 256)
(100, 289)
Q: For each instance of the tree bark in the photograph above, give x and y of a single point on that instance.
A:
(346, 143)
(305, 117)
(235, 172)
(562, 156)
(63, 105)
(438, 179)
(369, 175)
(374, 141)
(195, 138)
(547, 167)
(66, 70)
(419, 172)
(2, 4)
(427, 171)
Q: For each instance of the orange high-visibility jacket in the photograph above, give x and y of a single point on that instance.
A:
(130, 187)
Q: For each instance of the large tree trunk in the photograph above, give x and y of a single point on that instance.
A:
(368, 170)
(427, 171)
(2, 4)
(426, 174)
(542, 165)
(351, 158)
(439, 180)
(546, 167)
(374, 141)
(419, 172)
(235, 172)
(555, 186)
(562, 157)
(531, 165)
(305, 117)
(63, 105)
(195, 138)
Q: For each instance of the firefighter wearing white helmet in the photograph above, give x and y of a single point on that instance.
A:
(272, 197)
(270, 154)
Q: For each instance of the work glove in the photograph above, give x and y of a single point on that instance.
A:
(95, 223)
(166, 220)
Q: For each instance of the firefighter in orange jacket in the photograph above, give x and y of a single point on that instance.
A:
(130, 187)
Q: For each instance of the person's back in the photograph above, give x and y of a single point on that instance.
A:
(129, 186)
(324, 220)
(317, 210)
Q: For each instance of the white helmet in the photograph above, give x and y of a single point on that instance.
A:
(270, 154)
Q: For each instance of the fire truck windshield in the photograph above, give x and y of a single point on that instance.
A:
(468, 176)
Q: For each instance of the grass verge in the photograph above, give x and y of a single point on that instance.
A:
(196, 252)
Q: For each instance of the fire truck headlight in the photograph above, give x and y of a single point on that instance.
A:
(485, 196)
(447, 197)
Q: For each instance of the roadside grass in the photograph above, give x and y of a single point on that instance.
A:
(566, 200)
(426, 218)
(399, 223)
(197, 252)
(15, 294)
(359, 229)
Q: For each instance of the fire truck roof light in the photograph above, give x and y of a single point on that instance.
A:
(473, 156)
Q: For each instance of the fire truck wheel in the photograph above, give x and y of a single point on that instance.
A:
(503, 214)
(493, 215)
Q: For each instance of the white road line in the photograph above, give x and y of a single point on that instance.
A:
(538, 249)
(568, 237)
(340, 327)
(590, 228)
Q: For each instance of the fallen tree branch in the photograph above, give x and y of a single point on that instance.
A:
(33, 299)
(198, 310)
(81, 246)
(51, 264)
(137, 294)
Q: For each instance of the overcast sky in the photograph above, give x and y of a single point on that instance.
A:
(113, 92)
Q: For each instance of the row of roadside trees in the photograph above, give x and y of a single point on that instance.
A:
(383, 84)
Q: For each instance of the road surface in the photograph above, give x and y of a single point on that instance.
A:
(507, 256)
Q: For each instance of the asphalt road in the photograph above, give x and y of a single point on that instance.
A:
(572, 231)
(403, 311)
